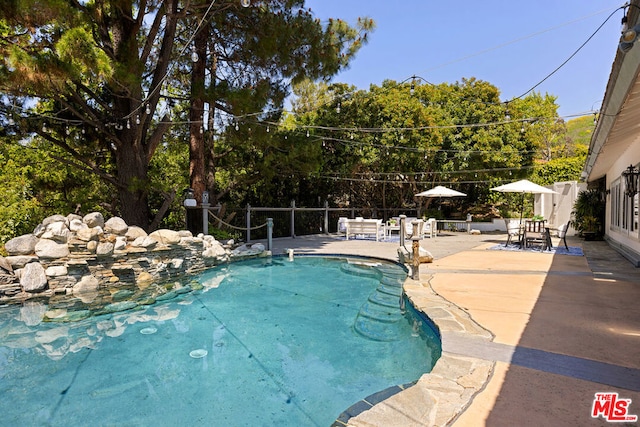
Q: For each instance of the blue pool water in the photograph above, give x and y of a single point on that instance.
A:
(264, 342)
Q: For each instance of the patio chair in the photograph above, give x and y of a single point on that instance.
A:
(535, 232)
(430, 228)
(513, 230)
(562, 233)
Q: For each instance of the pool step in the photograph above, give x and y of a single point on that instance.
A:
(384, 299)
(373, 331)
(380, 313)
(378, 317)
(356, 269)
(390, 290)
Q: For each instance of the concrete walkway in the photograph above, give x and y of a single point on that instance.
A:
(528, 338)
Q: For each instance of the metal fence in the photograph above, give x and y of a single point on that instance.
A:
(291, 221)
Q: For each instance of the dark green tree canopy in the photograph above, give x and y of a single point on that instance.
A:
(105, 78)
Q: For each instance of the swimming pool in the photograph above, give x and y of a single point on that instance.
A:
(261, 342)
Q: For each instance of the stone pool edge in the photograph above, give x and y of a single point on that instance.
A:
(440, 396)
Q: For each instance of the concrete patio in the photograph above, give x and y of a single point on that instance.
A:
(528, 338)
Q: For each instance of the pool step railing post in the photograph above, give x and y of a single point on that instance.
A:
(205, 214)
(403, 219)
(415, 271)
(269, 233)
(248, 222)
(293, 219)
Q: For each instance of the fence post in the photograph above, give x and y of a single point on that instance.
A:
(403, 219)
(326, 217)
(269, 233)
(248, 222)
(205, 219)
(293, 219)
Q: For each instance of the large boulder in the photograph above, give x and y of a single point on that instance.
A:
(33, 277)
(56, 231)
(49, 249)
(215, 249)
(166, 237)
(76, 224)
(22, 245)
(134, 232)
(19, 261)
(94, 219)
(116, 225)
(54, 218)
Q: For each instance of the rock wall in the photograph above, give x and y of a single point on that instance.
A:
(67, 258)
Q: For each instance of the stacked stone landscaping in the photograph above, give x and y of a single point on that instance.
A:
(71, 260)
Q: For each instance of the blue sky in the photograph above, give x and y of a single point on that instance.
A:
(509, 43)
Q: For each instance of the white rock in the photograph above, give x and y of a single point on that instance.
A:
(121, 243)
(87, 234)
(185, 233)
(72, 217)
(116, 225)
(134, 232)
(258, 247)
(22, 245)
(56, 270)
(20, 261)
(92, 246)
(55, 218)
(166, 237)
(76, 224)
(56, 231)
(94, 219)
(215, 251)
(33, 277)
(144, 242)
(104, 249)
(46, 248)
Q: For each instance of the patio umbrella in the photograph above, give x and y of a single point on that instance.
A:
(524, 186)
(440, 192)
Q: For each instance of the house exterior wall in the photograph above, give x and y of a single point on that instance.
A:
(621, 221)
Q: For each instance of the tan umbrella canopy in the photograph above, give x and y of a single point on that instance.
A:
(440, 192)
(524, 186)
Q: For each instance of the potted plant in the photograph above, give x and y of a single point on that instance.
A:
(589, 227)
(587, 211)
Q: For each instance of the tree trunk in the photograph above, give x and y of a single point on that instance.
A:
(133, 182)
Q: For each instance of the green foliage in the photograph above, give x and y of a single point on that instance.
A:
(37, 184)
(83, 75)
(588, 210)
